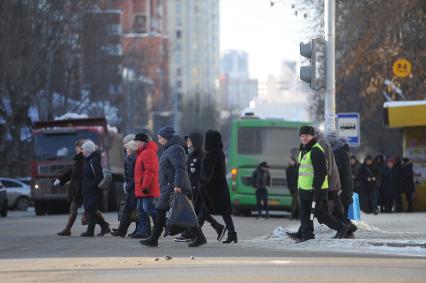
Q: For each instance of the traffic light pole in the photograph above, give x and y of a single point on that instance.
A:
(330, 90)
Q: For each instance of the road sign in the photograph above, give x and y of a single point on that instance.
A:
(401, 68)
(348, 126)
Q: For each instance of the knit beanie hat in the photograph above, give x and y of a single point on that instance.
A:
(89, 146)
(306, 130)
(131, 145)
(128, 138)
(141, 137)
(166, 132)
(332, 137)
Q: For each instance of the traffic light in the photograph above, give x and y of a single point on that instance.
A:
(314, 74)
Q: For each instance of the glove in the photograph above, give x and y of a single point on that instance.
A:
(145, 191)
(56, 182)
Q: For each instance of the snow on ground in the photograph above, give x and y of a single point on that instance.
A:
(389, 235)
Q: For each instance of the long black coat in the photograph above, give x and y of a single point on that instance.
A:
(213, 185)
(92, 175)
(74, 176)
(342, 156)
(366, 172)
(390, 182)
(173, 171)
(129, 172)
(193, 164)
(407, 178)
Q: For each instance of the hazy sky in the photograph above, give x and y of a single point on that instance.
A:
(268, 34)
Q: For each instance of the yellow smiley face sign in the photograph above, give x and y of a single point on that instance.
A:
(401, 68)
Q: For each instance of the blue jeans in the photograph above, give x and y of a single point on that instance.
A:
(146, 209)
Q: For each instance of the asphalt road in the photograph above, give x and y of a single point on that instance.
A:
(30, 251)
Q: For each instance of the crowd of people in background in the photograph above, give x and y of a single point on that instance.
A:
(192, 166)
(381, 183)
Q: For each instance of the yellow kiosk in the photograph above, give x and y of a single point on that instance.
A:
(411, 117)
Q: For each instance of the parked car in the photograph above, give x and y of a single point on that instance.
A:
(25, 180)
(18, 193)
(3, 200)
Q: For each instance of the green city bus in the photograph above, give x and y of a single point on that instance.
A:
(254, 140)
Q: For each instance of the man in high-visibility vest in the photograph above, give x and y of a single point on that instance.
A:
(313, 187)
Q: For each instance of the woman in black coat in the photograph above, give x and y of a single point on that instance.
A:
(407, 186)
(213, 185)
(73, 176)
(389, 185)
(92, 175)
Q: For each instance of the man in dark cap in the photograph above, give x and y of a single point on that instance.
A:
(313, 185)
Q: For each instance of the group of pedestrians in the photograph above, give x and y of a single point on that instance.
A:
(186, 165)
(381, 184)
(84, 177)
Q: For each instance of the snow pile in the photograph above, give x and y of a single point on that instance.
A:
(70, 116)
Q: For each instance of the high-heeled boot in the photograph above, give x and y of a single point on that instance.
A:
(232, 237)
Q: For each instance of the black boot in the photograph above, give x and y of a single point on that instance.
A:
(67, 230)
(123, 226)
(294, 236)
(90, 225)
(342, 231)
(220, 230)
(199, 240)
(152, 241)
(232, 237)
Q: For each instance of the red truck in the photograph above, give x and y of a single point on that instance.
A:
(53, 152)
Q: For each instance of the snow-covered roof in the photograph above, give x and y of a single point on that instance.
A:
(404, 103)
(68, 116)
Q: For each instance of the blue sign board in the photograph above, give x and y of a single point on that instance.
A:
(348, 126)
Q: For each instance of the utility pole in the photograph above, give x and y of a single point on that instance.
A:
(330, 90)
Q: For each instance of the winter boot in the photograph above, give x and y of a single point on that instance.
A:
(152, 241)
(220, 230)
(199, 240)
(90, 225)
(342, 231)
(104, 225)
(294, 236)
(67, 229)
(232, 237)
(123, 226)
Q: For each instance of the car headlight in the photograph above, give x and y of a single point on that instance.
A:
(36, 186)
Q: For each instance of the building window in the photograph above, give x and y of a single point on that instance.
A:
(179, 72)
(140, 24)
(178, 84)
(178, 34)
(114, 29)
(112, 49)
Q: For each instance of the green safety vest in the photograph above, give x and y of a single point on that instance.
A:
(306, 171)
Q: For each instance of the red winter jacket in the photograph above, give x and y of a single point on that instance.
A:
(146, 171)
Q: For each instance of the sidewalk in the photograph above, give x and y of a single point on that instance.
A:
(396, 234)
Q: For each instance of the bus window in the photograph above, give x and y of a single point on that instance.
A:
(266, 141)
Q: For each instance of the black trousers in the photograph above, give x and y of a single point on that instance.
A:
(295, 204)
(336, 207)
(227, 218)
(321, 213)
(262, 196)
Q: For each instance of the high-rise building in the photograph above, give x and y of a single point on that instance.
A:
(237, 89)
(145, 58)
(193, 28)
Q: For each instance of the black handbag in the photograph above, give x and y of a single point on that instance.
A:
(181, 215)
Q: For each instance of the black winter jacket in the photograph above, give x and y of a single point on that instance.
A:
(292, 173)
(193, 160)
(366, 172)
(407, 178)
(173, 172)
(320, 172)
(129, 172)
(342, 156)
(261, 178)
(92, 176)
(390, 182)
(74, 175)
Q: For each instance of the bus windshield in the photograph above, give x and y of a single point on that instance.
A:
(59, 146)
(267, 141)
